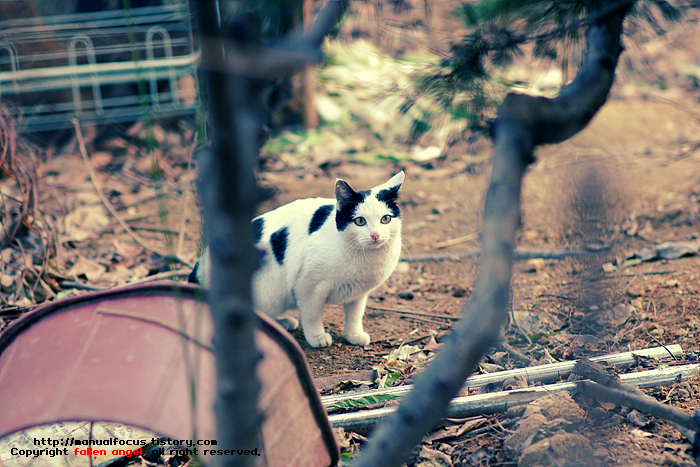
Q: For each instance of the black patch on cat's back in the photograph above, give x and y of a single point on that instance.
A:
(278, 241)
(389, 196)
(319, 217)
(258, 226)
(346, 210)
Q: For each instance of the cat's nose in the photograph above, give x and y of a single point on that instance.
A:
(375, 236)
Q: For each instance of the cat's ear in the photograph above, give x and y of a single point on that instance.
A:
(395, 182)
(343, 192)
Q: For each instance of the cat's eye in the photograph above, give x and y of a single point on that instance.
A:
(360, 221)
(386, 219)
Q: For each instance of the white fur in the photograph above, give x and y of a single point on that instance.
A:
(329, 266)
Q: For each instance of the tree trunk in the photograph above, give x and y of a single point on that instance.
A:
(235, 70)
(229, 193)
(523, 122)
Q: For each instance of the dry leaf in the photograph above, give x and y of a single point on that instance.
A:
(85, 222)
(88, 268)
(455, 431)
(432, 345)
(435, 455)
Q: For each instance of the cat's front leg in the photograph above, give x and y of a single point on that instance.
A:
(354, 332)
(311, 313)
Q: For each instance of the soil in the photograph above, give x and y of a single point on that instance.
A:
(630, 180)
(642, 175)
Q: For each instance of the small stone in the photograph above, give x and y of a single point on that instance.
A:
(637, 418)
(634, 291)
(535, 265)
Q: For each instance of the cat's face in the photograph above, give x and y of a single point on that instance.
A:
(369, 219)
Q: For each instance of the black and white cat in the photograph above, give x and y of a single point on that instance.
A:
(324, 250)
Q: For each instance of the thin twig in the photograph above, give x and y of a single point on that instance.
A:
(415, 339)
(515, 324)
(475, 253)
(618, 276)
(155, 196)
(661, 344)
(92, 425)
(405, 312)
(456, 241)
(425, 320)
(515, 354)
(185, 199)
(80, 285)
(650, 273)
(154, 277)
(148, 228)
(93, 178)
(563, 297)
(162, 275)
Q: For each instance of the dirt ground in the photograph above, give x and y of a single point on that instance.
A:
(629, 181)
(649, 185)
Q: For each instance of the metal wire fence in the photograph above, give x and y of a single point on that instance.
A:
(104, 67)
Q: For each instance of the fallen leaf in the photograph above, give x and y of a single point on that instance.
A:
(341, 438)
(329, 382)
(91, 269)
(607, 406)
(455, 431)
(432, 345)
(389, 379)
(630, 226)
(361, 403)
(125, 250)
(638, 419)
(438, 458)
(85, 222)
(616, 315)
(489, 367)
(402, 353)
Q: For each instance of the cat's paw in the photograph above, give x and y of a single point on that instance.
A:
(320, 340)
(289, 323)
(358, 338)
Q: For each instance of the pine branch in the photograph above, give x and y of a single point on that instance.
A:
(523, 122)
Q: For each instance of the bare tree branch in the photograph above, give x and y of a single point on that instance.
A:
(522, 123)
(274, 60)
(642, 403)
(229, 193)
(233, 71)
(611, 388)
